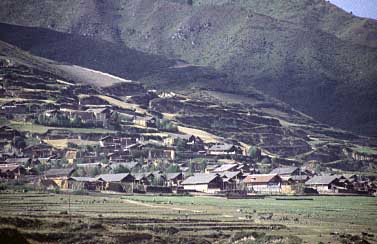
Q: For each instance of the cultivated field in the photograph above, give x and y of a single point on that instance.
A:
(58, 218)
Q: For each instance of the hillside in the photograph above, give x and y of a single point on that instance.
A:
(280, 131)
(309, 54)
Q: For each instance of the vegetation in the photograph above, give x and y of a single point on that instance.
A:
(166, 125)
(173, 218)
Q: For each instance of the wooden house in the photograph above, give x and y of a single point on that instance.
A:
(209, 183)
(225, 149)
(226, 168)
(263, 183)
(83, 183)
(145, 121)
(8, 133)
(231, 179)
(41, 150)
(11, 171)
(60, 176)
(323, 183)
(174, 179)
(101, 115)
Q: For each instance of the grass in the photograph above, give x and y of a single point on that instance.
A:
(366, 150)
(34, 128)
(63, 143)
(203, 217)
(122, 104)
(205, 136)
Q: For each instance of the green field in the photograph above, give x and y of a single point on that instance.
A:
(58, 218)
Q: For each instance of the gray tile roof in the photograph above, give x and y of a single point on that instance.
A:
(231, 175)
(321, 180)
(83, 179)
(112, 177)
(172, 176)
(200, 179)
(225, 167)
(59, 172)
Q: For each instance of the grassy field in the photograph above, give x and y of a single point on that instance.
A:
(34, 128)
(58, 218)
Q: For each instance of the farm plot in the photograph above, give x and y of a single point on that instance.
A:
(61, 218)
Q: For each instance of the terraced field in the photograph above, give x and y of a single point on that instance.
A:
(61, 218)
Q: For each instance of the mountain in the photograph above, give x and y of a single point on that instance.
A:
(309, 54)
(281, 132)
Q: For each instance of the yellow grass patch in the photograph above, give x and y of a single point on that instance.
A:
(63, 143)
(205, 136)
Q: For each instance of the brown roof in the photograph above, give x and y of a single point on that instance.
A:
(260, 178)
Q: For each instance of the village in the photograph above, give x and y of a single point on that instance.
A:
(94, 141)
(178, 163)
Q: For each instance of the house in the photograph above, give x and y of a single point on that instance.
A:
(142, 178)
(174, 179)
(323, 183)
(19, 161)
(60, 176)
(231, 179)
(119, 178)
(293, 184)
(194, 143)
(14, 108)
(8, 133)
(210, 168)
(145, 121)
(41, 150)
(119, 156)
(11, 171)
(209, 183)
(226, 168)
(224, 149)
(80, 183)
(100, 114)
(263, 183)
(71, 156)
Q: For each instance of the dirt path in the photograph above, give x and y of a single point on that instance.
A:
(158, 206)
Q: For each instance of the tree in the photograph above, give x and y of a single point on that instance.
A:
(121, 169)
(181, 145)
(254, 152)
(173, 168)
(19, 142)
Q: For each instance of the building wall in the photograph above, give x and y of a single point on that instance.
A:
(265, 188)
(322, 188)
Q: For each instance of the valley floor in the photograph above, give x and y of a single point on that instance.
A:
(108, 218)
